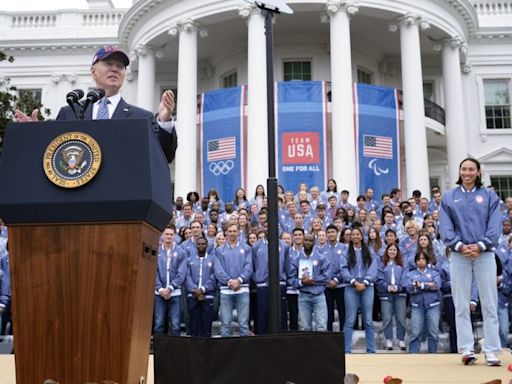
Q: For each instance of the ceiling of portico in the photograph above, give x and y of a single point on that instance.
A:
(227, 34)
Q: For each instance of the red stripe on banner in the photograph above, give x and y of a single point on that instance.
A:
(356, 128)
(398, 154)
(243, 135)
(327, 142)
(201, 180)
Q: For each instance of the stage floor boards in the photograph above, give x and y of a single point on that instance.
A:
(371, 369)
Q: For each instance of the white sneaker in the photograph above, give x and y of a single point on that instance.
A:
(389, 345)
(468, 358)
(402, 345)
(492, 359)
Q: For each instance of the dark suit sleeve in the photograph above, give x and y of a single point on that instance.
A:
(62, 114)
(169, 143)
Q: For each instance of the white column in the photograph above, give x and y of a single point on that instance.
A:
(454, 108)
(344, 162)
(415, 133)
(146, 79)
(56, 93)
(186, 125)
(257, 135)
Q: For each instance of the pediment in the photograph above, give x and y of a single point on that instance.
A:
(501, 155)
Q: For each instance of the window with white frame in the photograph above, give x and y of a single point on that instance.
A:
(296, 70)
(497, 103)
(502, 185)
(229, 79)
(31, 93)
(434, 181)
(364, 76)
(28, 98)
(429, 91)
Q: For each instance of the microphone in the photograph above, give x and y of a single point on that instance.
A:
(93, 96)
(73, 97)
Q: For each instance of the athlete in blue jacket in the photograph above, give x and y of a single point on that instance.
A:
(5, 293)
(359, 272)
(233, 270)
(200, 284)
(470, 227)
(171, 271)
(424, 287)
(309, 273)
(260, 278)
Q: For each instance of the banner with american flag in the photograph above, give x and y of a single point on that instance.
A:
(222, 141)
(377, 137)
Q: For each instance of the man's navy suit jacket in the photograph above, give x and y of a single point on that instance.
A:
(168, 141)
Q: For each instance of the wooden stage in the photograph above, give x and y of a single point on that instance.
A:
(371, 369)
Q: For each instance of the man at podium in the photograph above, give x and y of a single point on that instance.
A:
(108, 71)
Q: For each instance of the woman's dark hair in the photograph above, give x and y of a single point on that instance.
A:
(182, 233)
(398, 259)
(419, 254)
(342, 233)
(377, 243)
(394, 233)
(235, 199)
(256, 190)
(213, 192)
(195, 194)
(335, 186)
(342, 212)
(429, 251)
(365, 251)
(478, 181)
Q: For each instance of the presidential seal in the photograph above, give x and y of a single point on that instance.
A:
(72, 160)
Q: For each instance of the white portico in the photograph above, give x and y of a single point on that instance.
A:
(438, 53)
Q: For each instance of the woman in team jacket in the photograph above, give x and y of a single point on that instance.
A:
(391, 278)
(359, 272)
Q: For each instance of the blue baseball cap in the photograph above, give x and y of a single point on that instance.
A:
(110, 50)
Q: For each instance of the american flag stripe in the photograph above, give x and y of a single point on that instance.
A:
(378, 146)
(221, 149)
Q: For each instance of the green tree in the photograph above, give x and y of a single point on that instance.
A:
(12, 99)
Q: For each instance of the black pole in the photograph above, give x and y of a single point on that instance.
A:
(274, 293)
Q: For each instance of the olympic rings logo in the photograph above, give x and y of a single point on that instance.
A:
(221, 167)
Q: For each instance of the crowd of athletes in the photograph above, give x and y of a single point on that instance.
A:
(380, 258)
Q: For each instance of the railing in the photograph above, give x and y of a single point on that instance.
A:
(435, 111)
(102, 19)
(34, 21)
(56, 19)
(493, 8)
(432, 110)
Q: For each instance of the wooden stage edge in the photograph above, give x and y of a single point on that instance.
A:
(371, 369)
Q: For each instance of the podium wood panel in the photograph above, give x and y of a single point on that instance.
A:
(82, 301)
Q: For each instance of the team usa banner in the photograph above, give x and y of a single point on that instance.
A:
(222, 141)
(377, 137)
(301, 121)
